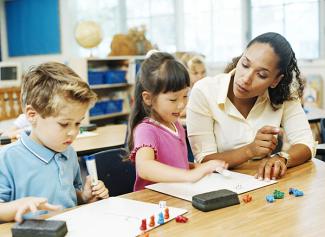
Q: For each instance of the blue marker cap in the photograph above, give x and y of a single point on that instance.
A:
(89, 157)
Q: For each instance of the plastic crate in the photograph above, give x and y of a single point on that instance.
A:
(115, 76)
(114, 106)
(119, 105)
(98, 109)
(95, 78)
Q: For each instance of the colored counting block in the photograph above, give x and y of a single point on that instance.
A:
(166, 216)
(181, 219)
(247, 198)
(278, 194)
(161, 218)
(143, 224)
(270, 198)
(152, 221)
(296, 192)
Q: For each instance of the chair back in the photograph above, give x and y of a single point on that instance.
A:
(322, 130)
(117, 174)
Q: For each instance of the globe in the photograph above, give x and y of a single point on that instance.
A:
(88, 34)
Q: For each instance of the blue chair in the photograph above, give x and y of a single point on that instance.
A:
(117, 173)
(322, 130)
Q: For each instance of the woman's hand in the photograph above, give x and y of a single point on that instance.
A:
(271, 168)
(264, 143)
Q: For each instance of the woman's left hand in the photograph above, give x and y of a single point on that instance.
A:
(271, 168)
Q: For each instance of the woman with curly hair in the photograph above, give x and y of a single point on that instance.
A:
(236, 116)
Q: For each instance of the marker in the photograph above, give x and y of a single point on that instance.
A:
(92, 170)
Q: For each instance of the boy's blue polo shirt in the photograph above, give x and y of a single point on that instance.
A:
(30, 169)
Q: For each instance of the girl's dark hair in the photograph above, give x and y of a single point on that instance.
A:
(287, 66)
(160, 73)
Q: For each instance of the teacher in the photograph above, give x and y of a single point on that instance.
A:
(236, 116)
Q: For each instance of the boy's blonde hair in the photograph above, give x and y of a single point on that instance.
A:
(49, 86)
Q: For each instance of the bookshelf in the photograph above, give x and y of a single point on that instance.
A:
(112, 79)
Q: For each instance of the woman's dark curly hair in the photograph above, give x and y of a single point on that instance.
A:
(287, 66)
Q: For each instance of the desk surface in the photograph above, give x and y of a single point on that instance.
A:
(314, 114)
(291, 216)
(110, 136)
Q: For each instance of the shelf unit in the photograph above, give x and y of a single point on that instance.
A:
(95, 71)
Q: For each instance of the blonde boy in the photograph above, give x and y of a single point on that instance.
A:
(42, 168)
(196, 68)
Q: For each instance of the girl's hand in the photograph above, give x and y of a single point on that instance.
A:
(207, 168)
(264, 143)
(93, 193)
(32, 204)
(271, 168)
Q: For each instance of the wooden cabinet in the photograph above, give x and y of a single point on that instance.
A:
(112, 79)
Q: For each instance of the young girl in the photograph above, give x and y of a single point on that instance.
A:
(156, 138)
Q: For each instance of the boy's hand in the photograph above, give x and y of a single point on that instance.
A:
(93, 193)
(33, 204)
(207, 168)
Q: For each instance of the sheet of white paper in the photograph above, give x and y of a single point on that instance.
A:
(236, 182)
(87, 134)
(112, 217)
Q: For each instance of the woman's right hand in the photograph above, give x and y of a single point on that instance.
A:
(264, 143)
(205, 168)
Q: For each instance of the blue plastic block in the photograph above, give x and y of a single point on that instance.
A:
(270, 198)
(291, 190)
(298, 193)
(161, 218)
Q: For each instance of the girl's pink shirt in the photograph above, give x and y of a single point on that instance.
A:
(169, 148)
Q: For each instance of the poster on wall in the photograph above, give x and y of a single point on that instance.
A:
(33, 27)
(0, 45)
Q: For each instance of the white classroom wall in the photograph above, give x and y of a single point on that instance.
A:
(69, 47)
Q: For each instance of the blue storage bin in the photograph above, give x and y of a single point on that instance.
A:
(114, 106)
(137, 67)
(95, 78)
(119, 105)
(98, 109)
(115, 76)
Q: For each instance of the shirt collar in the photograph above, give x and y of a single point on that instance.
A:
(41, 152)
(224, 85)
